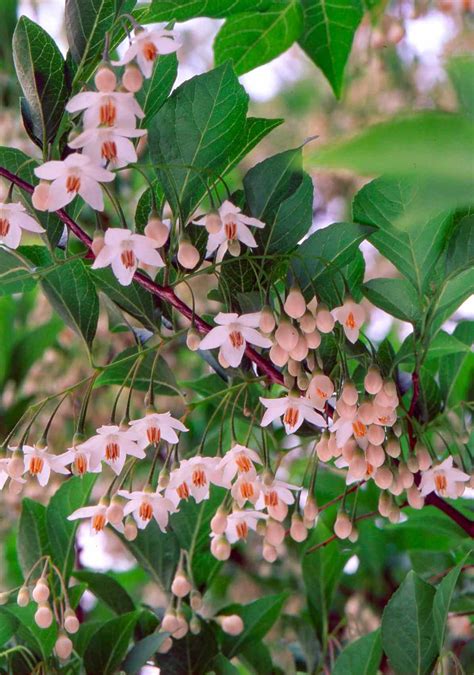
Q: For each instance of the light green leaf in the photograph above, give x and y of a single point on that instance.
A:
(408, 628)
(182, 10)
(156, 89)
(8, 626)
(107, 589)
(142, 651)
(442, 346)
(30, 347)
(460, 253)
(361, 657)
(454, 292)
(329, 28)
(255, 129)
(40, 69)
(108, 645)
(395, 296)
(456, 371)
(39, 640)
(199, 126)
(442, 600)
(32, 535)
(250, 40)
(461, 73)
(15, 276)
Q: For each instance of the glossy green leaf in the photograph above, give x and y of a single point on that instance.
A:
(456, 371)
(39, 640)
(117, 371)
(199, 126)
(361, 657)
(328, 32)
(460, 252)
(442, 346)
(108, 645)
(156, 89)
(192, 654)
(442, 600)
(40, 69)
(32, 535)
(73, 494)
(182, 10)
(107, 589)
(31, 346)
(156, 552)
(142, 651)
(15, 276)
(461, 73)
(408, 629)
(396, 297)
(8, 626)
(250, 40)
(453, 294)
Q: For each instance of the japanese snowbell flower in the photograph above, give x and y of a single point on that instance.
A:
(108, 146)
(14, 219)
(123, 250)
(275, 498)
(239, 523)
(442, 479)
(145, 505)
(106, 109)
(146, 45)
(234, 229)
(112, 445)
(4, 475)
(77, 174)
(341, 463)
(351, 316)
(245, 489)
(346, 428)
(98, 517)
(232, 334)
(239, 460)
(39, 462)
(320, 389)
(193, 477)
(149, 430)
(294, 410)
(83, 459)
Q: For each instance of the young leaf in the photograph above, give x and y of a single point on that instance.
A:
(442, 600)
(199, 126)
(442, 346)
(361, 657)
(32, 535)
(396, 297)
(40, 70)
(328, 32)
(107, 589)
(250, 40)
(408, 628)
(108, 646)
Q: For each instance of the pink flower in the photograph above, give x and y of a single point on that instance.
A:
(106, 109)
(351, 317)
(98, 517)
(108, 146)
(442, 479)
(294, 410)
(39, 462)
(112, 445)
(193, 477)
(239, 523)
(232, 335)
(145, 505)
(149, 430)
(275, 498)
(239, 460)
(146, 45)
(14, 219)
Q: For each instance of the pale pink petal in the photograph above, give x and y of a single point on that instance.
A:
(215, 338)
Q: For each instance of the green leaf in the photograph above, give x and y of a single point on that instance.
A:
(461, 73)
(460, 253)
(156, 89)
(107, 589)
(32, 535)
(456, 370)
(40, 69)
(250, 40)
(15, 277)
(413, 249)
(73, 494)
(108, 646)
(31, 346)
(117, 371)
(255, 129)
(192, 654)
(395, 296)
(408, 628)
(325, 252)
(71, 292)
(199, 126)
(156, 552)
(8, 626)
(182, 10)
(454, 292)
(361, 657)
(442, 346)
(258, 617)
(442, 600)
(329, 28)
(390, 148)
(39, 640)
(142, 651)
(429, 400)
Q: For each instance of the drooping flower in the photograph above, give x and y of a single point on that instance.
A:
(5, 475)
(239, 523)
(294, 410)
(275, 498)
(147, 44)
(442, 479)
(232, 335)
(234, 229)
(106, 109)
(98, 517)
(83, 459)
(348, 427)
(245, 489)
(193, 477)
(108, 146)
(39, 462)
(149, 430)
(77, 174)
(14, 219)
(239, 460)
(320, 389)
(112, 445)
(351, 316)
(145, 505)
(123, 250)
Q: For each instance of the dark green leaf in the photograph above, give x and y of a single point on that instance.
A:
(39, 640)
(107, 589)
(31, 346)
(440, 347)
(8, 626)
(454, 292)
(361, 657)
(156, 89)
(182, 10)
(32, 535)
(456, 370)
(395, 296)
(108, 646)
(460, 253)
(40, 70)
(328, 32)
(142, 651)
(250, 40)
(408, 629)
(156, 552)
(442, 600)
(192, 654)
(15, 277)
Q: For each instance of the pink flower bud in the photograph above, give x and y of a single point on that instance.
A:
(322, 448)
(298, 531)
(376, 434)
(366, 413)
(394, 514)
(43, 616)
(231, 624)
(342, 526)
(16, 465)
(295, 305)
(313, 340)
(354, 535)
(183, 627)
(350, 395)
(23, 597)
(412, 463)
(71, 622)
(4, 597)
(278, 356)
(308, 323)
(195, 625)
(219, 522)
(63, 647)
(375, 455)
(97, 242)
(269, 553)
(195, 601)
(396, 487)
(346, 411)
(275, 532)
(193, 339)
(385, 504)
(213, 222)
(300, 352)
(169, 623)
(157, 230)
(220, 548)
(395, 33)
(180, 586)
(406, 477)
(105, 79)
(358, 466)
(392, 448)
(132, 79)
(188, 255)
(41, 591)
(349, 450)
(165, 645)
(114, 513)
(414, 498)
(423, 457)
(294, 367)
(130, 531)
(373, 381)
(286, 335)
(310, 509)
(324, 319)
(302, 381)
(383, 477)
(267, 320)
(40, 196)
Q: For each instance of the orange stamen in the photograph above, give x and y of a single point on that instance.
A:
(150, 52)
(271, 498)
(36, 465)
(236, 339)
(73, 183)
(98, 522)
(199, 478)
(145, 511)
(108, 113)
(231, 231)
(440, 482)
(4, 227)
(359, 429)
(183, 491)
(242, 530)
(109, 150)
(291, 417)
(246, 490)
(112, 451)
(350, 321)
(128, 258)
(243, 463)
(154, 435)
(80, 464)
